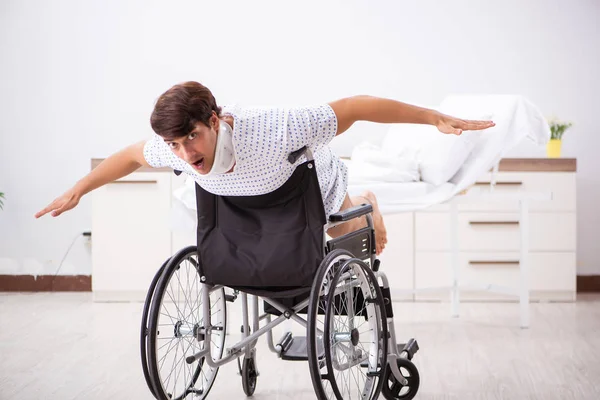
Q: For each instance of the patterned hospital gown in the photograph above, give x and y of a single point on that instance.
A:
(262, 139)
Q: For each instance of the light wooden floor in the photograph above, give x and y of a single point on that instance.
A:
(64, 346)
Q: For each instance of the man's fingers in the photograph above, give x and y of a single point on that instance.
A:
(45, 210)
(457, 126)
(476, 125)
(61, 210)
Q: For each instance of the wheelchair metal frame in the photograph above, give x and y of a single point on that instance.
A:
(246, 346)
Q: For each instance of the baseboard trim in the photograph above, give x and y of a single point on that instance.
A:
(45, 283)
(588, 283)
(83, 283)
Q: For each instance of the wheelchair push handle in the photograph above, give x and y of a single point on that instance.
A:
(295, 155)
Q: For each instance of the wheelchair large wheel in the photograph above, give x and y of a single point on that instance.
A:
(174, 323)
(347, 331)
(144, 330)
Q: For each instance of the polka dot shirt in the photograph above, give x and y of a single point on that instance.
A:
(262, 140)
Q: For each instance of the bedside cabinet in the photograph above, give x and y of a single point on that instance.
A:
(489, 236)
(131, 234)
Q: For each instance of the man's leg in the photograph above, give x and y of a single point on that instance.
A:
(357, 223)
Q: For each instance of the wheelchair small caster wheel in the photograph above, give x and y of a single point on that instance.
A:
(392, 389)
(249, 375)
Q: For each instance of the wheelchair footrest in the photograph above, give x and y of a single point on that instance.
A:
(411, 348)
(297, 351)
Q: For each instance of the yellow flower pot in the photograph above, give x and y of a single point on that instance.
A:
(553, 148)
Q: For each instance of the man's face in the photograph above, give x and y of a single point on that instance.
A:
(198, 148)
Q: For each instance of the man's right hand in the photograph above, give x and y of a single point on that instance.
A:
(61, 204)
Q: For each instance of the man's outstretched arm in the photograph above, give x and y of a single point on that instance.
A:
(382, 110)
(116, 166)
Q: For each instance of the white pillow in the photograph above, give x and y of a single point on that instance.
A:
(407, 139)
(371, 163)
(439, 155)
(492, 142)
(441, 158)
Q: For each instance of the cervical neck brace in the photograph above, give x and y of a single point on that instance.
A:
(224, 155)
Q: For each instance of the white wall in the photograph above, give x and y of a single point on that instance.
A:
(78, 80)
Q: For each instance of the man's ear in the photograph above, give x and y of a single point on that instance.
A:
(214, 121)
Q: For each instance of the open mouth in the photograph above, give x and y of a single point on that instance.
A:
(199, 164)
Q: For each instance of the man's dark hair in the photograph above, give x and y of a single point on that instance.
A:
(179, 109)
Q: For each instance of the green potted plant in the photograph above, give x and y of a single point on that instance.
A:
(557, 130)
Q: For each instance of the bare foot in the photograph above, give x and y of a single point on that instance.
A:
(380, 232)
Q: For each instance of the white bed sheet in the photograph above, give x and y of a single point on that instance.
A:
(391, 192)
(516, 119)
(403, 197)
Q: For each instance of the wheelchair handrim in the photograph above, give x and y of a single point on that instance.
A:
(144, 330)
(186, 331)
(370, 384)
(321, 383)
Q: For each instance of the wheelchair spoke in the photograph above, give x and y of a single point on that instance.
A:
(177, 369)
(197, 300)
(179, 364)
(173, 320)
(187, 300)
(179, 289)
(177, 314)
(173, 300)
(352, 327)
(186, 371)
(349, 381)
(174, 368)
(356, 375)
(183, 370)
(170, 340)
(190, 286)
(163, 359)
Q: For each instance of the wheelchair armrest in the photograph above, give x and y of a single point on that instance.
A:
(351, 213)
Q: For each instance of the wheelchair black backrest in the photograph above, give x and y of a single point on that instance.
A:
(274, 241)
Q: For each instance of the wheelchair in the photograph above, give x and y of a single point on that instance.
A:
(274, 247)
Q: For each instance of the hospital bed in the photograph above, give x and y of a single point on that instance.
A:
(416, 167)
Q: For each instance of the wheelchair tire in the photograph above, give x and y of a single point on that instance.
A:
(249, 376)
(144, 330)
(346, 288)
(177, 330)
(393, 390)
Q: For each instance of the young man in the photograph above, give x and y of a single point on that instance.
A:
(238, 151)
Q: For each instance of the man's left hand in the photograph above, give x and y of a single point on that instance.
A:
(455, 126)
